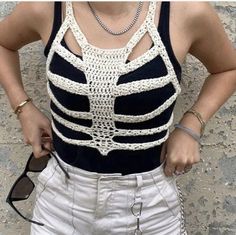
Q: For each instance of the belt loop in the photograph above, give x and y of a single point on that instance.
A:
(139, 180)
(138, 195)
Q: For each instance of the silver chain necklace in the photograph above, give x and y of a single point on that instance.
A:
(122, 31)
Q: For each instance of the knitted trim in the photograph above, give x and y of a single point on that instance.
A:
(102, 69)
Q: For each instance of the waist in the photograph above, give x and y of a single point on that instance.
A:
(117, 161)
(81, 175)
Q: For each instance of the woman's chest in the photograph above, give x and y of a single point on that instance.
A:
(180, 40)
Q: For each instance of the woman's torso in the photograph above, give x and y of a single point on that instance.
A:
(119, 160)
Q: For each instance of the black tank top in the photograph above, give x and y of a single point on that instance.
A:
(99, 158)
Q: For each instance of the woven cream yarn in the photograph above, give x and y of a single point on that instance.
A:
(102, 68)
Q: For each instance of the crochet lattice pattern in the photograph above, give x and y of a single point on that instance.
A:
(102, 69)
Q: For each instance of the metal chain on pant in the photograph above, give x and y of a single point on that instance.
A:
(136, 207)
(182, 225)
(138, 230)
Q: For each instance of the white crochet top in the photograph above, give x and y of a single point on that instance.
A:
(102, 68)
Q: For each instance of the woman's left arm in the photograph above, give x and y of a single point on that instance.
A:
(213, 48)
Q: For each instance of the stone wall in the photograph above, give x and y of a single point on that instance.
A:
(209, 190)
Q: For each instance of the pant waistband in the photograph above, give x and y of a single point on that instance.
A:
(76, 173)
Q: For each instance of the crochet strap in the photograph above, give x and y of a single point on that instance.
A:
(82, 40)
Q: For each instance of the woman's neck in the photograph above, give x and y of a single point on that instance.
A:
(114, 8)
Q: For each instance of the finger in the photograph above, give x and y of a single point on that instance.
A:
(52, 147)
(49, 132)
(46, 135)
(46, 139)
(187, 168)
(47, 145)
(163, 153)
(37, 147)
(179, 169)
(169, 168)
(38, 151)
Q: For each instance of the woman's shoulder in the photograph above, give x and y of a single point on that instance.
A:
(41, 12)
(193, 17)
(35, 10)
(192, 8)
(208, 36)
(38, 8)
(44, 15)
(192, 11)
(27, 22)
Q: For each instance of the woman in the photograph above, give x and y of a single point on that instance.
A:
(112, 88)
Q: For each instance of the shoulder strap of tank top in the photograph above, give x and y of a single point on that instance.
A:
(164, 32)
(57, 21)
(163, 26)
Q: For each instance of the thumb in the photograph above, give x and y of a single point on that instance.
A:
(37, 146)
(163, 152)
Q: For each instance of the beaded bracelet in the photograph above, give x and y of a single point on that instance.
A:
(189, 131)
(18, 109)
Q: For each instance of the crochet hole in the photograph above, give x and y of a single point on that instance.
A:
(72, 44)
(143, 46)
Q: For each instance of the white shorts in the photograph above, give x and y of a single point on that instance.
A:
(91, 203)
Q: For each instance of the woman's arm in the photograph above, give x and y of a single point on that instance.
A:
(16, 30)
(213, 48)
(19, 28)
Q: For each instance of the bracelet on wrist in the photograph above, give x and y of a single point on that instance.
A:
(199, 117)
(19, 107)
(189, 131)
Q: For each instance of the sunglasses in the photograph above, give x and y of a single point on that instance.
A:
(23, 186)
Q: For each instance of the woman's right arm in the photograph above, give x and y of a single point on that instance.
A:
(19, 28)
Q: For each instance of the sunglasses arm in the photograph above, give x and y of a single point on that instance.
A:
(29, 220)
(65, 172)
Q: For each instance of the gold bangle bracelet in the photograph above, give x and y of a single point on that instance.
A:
(18, 109)
(199, 117)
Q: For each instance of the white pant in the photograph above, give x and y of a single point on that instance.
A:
(91, 203)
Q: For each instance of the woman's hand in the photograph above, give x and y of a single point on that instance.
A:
(36, 129)
(179, 151)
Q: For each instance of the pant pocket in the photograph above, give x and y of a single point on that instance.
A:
(52, 205)
(160, 210)
(169, 193)
(45, 173)
(44, 177)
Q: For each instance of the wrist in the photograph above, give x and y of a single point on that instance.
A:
(22, 106)
(27, 111)
(189, 131)
(16, 96)
(199, 117)
(190, 121)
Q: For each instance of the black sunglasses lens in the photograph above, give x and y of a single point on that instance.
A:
(22, 189)
(38, 164)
